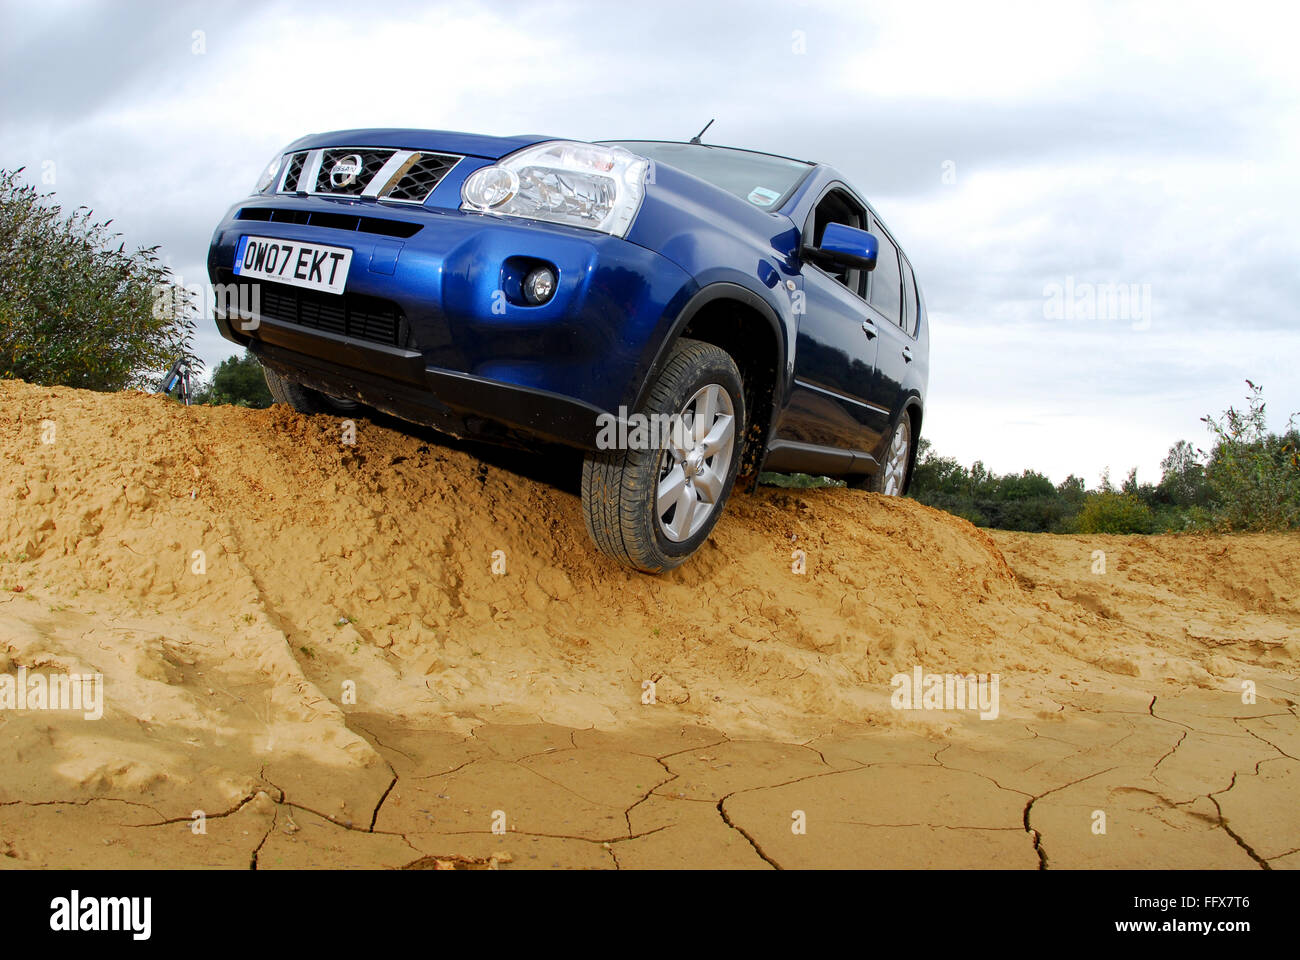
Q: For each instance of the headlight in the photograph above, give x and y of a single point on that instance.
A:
(269, 174)
(579, 184)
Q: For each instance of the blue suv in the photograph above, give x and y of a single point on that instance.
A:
(685, 314)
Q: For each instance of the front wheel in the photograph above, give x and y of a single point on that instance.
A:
(304, 399)
(651, 504)
(291, 394)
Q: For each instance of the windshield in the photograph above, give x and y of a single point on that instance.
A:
(761, 179)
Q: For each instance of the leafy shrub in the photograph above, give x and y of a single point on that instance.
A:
(74, 309)
(1253, 475)
(1109, 511)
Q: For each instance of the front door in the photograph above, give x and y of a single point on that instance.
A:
(835, 349)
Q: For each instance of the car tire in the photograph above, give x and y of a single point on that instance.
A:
(891, 477)
(292, 394)
(641, 506)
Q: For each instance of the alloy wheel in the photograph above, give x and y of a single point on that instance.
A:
(896, 458)
(695, 463)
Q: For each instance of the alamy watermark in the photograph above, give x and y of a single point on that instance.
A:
(640, 431)
(946, 691)
(1083, 300)
(76, 913)
(60, 691)
(241, 302)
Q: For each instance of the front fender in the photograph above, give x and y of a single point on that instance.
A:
(730, 249)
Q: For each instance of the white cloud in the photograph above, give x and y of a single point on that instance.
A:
(1150, 144)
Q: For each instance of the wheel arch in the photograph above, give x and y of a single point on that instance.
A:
(913, 411)
(745, 325)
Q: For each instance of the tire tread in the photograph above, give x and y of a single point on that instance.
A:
(614, 481)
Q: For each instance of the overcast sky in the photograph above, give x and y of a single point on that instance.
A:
(1017, 151)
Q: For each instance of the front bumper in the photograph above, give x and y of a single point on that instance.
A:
(456, 403)
(469, 352)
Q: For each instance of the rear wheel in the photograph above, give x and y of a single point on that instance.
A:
(891, 477)
(651, 507)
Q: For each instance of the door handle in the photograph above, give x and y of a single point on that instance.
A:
(907, 354)
(869, 329)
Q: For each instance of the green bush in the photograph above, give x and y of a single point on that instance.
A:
(1109, 511)
(75, 309)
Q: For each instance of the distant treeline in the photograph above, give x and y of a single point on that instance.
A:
(1249, 479)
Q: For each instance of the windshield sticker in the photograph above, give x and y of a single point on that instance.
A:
(763, 197)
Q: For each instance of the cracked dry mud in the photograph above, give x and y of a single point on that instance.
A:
(332, 569)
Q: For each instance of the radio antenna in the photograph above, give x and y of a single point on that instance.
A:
(696, 138)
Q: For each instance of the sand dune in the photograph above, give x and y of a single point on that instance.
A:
(314, 644)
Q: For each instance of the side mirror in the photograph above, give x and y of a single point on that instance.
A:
(845, 246)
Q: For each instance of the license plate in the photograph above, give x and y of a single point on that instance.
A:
(311, 265)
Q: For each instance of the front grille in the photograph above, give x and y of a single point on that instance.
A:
(409, 178)
(350, 315)
(371, 163)
(421, 177)
(294, 172)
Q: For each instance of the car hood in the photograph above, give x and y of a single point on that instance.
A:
(448, 141)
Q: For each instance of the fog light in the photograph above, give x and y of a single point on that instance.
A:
(539, 285)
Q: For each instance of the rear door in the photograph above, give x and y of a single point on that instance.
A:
(894, 311)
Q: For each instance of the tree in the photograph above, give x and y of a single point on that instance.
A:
(76, 311)
(238, 381)
(1072, 489)
(1182, 477)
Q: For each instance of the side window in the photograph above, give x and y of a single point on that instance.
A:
(838, 207)
(886, 281)
(909, 299)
